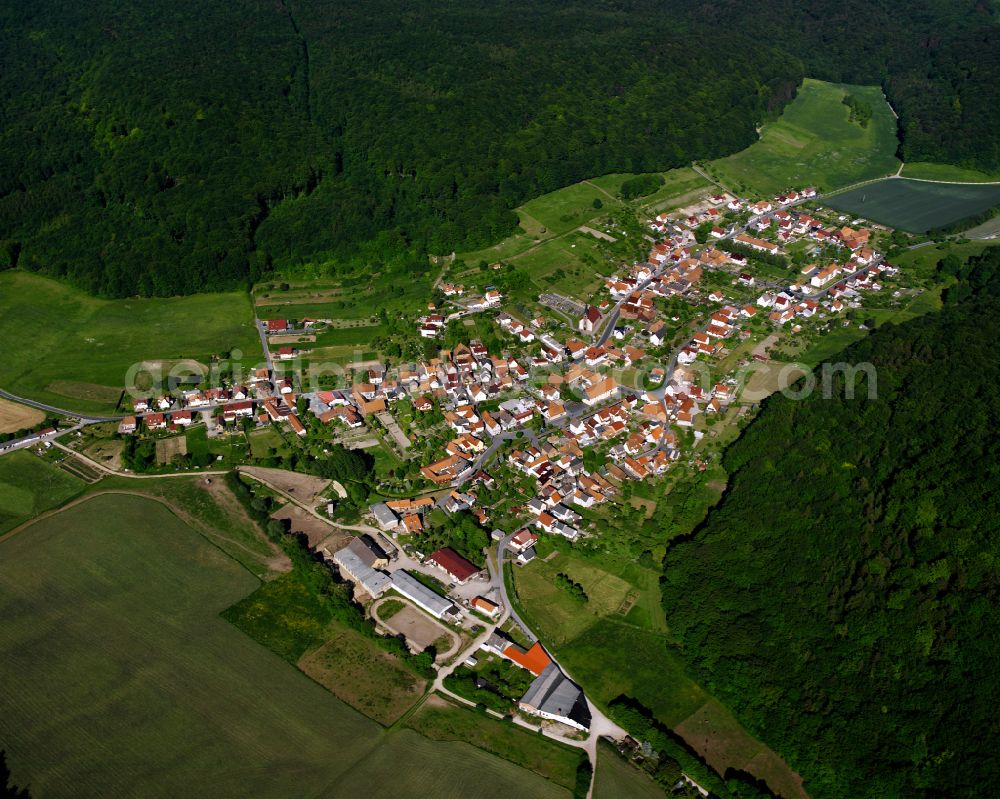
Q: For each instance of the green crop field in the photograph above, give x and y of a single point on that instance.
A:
(119, 672)
(916, 206)
(409, 766)
(72, 350)
(121, 679)
(814, 143)
(29, 486)
(617, 779)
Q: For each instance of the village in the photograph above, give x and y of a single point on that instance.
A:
(587, 395)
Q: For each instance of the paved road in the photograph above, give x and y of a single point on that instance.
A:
(61, 411)
(484, 457)
(612, 318)
(262, 332)
(600, 724)
(35, 439)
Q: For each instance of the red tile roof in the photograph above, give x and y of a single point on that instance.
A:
(453, 563)
(534, 660)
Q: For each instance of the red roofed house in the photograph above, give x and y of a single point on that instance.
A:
(522, 539)
(485, 606)
(457, 567)
(535, 660)
(277, 325)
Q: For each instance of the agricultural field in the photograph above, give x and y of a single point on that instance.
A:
(616, 778)
(814, 143)
(988, 230)
(409, 766)
(207, 506)
(72, 350)
(171, 689)
(30, 485)
(916, 206)
(14, 416)
(174, 692)
(441, 719)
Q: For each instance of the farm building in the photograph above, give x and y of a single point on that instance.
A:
(554, 696)
(356, 562)
(456, 567)
(421, 595)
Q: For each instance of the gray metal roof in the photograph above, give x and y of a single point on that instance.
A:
(413, 589)
(554, 693)
(384, 515)
(372, 580)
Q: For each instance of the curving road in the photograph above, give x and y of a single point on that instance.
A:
(61, 411)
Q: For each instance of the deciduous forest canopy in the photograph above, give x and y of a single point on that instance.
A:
(158, 148)
(843, 598)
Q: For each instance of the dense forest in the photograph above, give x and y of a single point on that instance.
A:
(843, 597)
(937, 60)
(163, 148)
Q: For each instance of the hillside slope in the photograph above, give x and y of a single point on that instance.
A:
(162, 148)
(842, 598)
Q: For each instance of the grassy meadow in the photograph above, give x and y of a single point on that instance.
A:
(122, 679)
(814, 143)
(947, 172)
(30, 485)
(615, 778)
(613, 590)
(560, 258)
(914, 205)
(441, 720)
(616, 644)
(73, 351)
